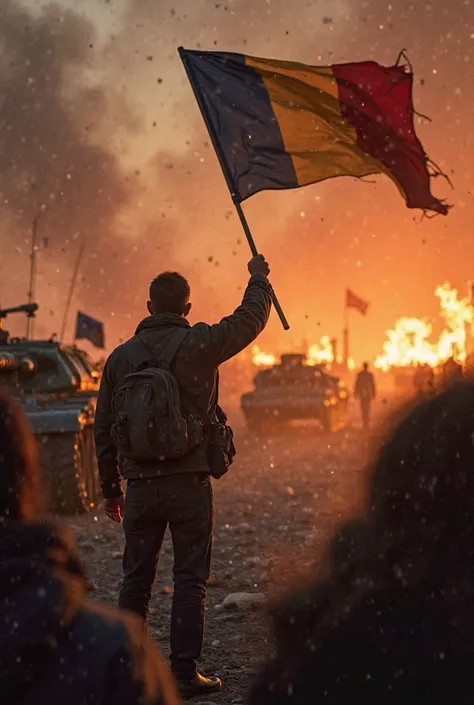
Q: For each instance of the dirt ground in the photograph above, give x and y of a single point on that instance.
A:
(274, 510)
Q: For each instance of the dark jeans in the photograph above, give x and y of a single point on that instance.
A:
(365, 411)
(185, 504)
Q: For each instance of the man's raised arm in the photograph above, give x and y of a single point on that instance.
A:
(237, 331)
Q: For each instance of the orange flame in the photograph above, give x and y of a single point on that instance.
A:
(261, 359)
(318, 354)
(408, 342)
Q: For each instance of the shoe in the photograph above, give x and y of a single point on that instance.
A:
(189, 686)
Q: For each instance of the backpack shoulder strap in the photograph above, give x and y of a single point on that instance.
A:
(167, 355)
(137, 353)
(166, 358)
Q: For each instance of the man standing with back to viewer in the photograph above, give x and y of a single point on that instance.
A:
(175, 492)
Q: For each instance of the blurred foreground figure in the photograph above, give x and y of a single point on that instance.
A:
(451, 372)
(158, 412)
(54, 648)
(365, 393)
(424, 380)
(391, 621)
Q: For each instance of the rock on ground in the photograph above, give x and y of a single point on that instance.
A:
(244, 600)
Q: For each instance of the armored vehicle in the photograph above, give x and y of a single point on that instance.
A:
(295, 391)
(57, 386)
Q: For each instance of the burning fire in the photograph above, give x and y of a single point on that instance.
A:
(408, 342)
(262, 359)
(321, 352)
(317, 354)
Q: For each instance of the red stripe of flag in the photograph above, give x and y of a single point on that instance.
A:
(377, 102)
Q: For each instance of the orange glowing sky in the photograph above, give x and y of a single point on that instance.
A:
(149, 192)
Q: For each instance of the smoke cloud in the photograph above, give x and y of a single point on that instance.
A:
(53, 162)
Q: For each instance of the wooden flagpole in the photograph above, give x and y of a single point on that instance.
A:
(32, 282)
(228, 176)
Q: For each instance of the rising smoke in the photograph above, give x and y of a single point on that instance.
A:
(52, 156)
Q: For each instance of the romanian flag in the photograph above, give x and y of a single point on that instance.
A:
(354, 301)
(280, 125)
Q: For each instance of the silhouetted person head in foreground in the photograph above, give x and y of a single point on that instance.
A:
(21, 496)
(391, 620)
(365, 366)
(54, 648)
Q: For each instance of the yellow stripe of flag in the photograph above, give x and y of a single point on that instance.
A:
(305, 100)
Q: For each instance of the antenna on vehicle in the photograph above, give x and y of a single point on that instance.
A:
(72, 287)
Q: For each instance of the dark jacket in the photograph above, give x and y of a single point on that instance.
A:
(398, 647)
(195, 367)
(53, 647)
(365, 386)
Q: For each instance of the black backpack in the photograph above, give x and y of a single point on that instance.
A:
(149, 423)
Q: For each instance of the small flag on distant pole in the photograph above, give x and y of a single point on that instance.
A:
(354, 301)
(90, 329)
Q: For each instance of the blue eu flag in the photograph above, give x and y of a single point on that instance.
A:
(88, 328)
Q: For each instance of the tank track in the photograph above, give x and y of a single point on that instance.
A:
(60, 463)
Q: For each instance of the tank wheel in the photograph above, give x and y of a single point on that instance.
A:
(328, 419)
(267, 426)
(255, 426)
(91, 472)
(334, 418)
(342, 414)
(277, 426)
(69, 468)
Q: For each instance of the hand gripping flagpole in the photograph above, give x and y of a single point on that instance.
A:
(228, 177)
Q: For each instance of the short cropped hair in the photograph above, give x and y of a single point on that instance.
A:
(169, 293)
